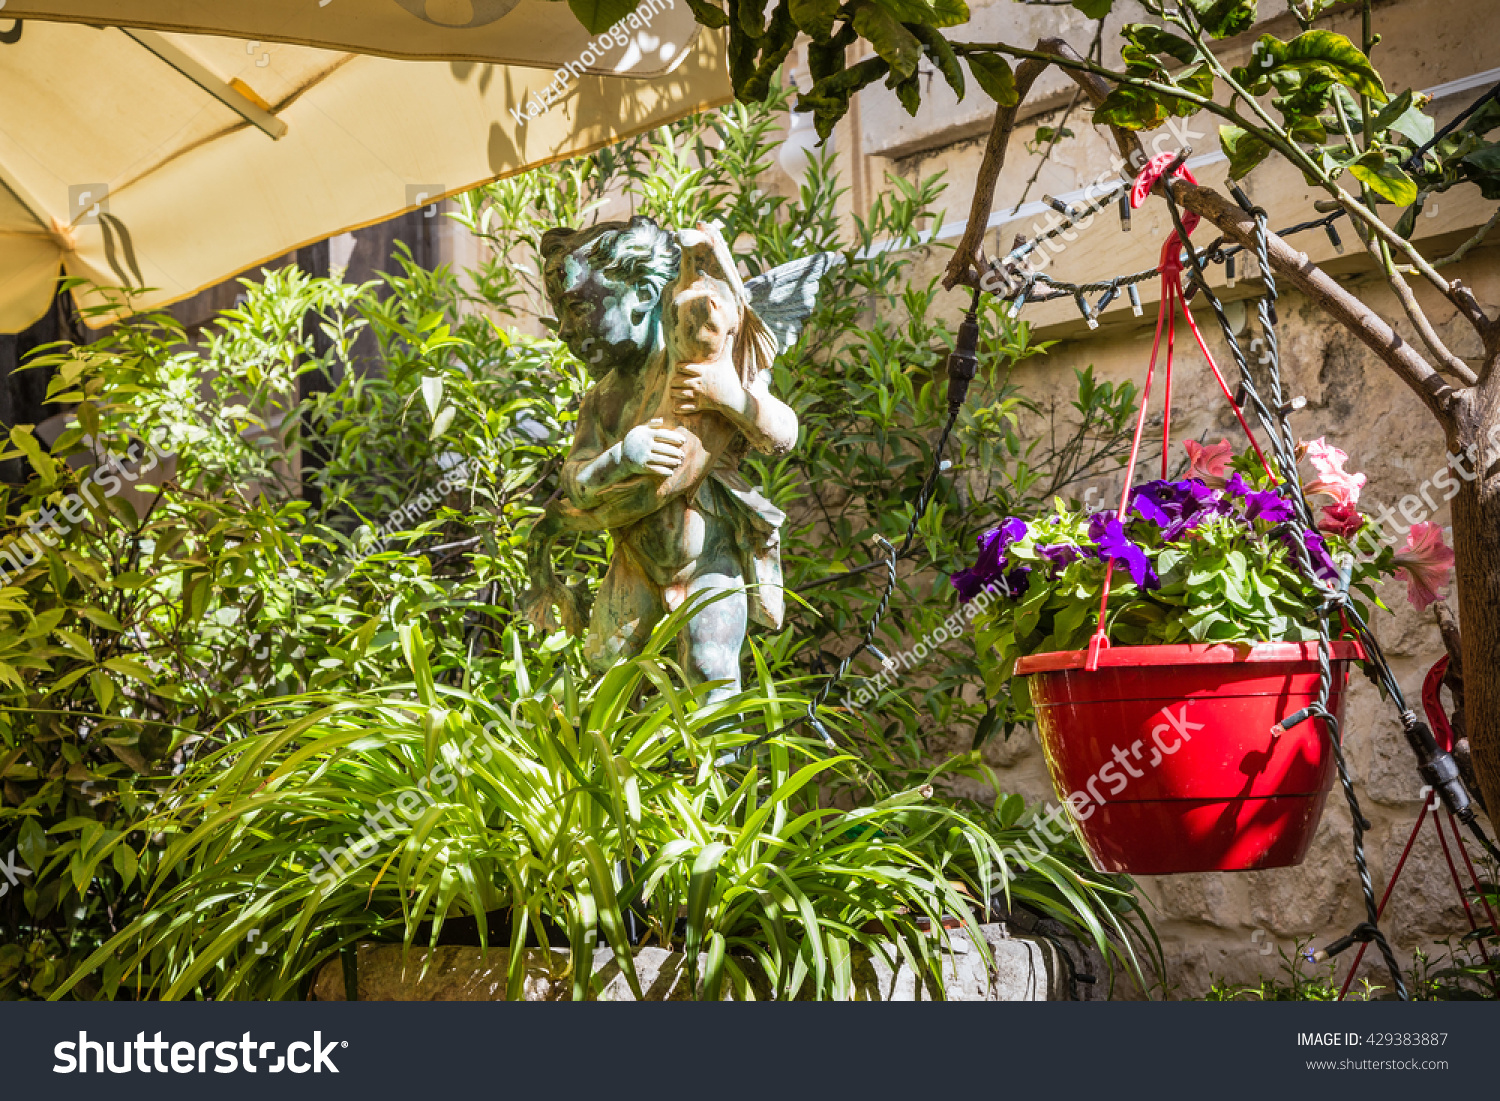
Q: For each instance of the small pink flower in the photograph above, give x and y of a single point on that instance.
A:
(1207, 463)
(1332, 480)
(1340, 519)
(1426, 560)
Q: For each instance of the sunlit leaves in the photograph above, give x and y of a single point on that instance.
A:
(893, 42)
(1311, 56)
(1131, 109)
(1384, 177)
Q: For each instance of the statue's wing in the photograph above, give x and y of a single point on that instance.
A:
(784, 297)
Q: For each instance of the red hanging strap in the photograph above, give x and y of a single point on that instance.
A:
(1170, 266)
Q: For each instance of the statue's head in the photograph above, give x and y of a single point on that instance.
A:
(606, 284)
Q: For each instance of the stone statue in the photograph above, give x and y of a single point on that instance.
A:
(680, 350)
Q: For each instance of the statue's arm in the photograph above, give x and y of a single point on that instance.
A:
(592, 469)
(767, 421)
(764, 419)
(609, 487)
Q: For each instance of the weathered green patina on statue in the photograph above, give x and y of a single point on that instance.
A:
(680, 350)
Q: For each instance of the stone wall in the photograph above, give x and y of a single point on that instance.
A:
(1026, 969)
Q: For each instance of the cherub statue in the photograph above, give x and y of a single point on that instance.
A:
(680, 350)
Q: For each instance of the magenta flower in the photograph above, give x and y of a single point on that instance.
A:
(1426, 560)
(1341, 519)
(1207, 463)
(1332, 480)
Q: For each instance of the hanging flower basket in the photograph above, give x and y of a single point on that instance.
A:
(1171, 758)
(1163, 647)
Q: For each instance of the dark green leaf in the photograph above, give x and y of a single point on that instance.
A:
(708, 14)
(815, 17)
(994, 75)
(601, 15)
(1130, 109)
(828, 99)
(751, 17)
(942, 56)
(1094, 9)
(893, 42)
(1157, 40)
(909, 94)
(1483, 168)
(1222, 18)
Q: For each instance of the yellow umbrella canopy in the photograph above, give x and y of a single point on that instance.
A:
(169, 162)
(543, 33)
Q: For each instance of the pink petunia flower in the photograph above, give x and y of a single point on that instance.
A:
(1426, 561)
(1332, 480)
(1207, 464)
(1340, 519)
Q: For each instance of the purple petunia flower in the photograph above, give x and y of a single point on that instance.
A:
(1324, 566)
(1114, 545)
(1265, 504)
(1176, 507)
(990, 569)
(1059, 556)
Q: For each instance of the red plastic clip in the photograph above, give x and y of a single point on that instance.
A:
(1171, 253)
(1097, 644)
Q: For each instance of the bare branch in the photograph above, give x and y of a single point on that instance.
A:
(1468, 246)
(966, 268)
(1293, 266)
(1447, 362)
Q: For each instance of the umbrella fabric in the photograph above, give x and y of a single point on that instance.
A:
(542, 33)
(171, 162)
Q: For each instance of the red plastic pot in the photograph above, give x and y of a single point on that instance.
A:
(1167, 759)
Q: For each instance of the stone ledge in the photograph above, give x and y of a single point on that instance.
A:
(1026, 970)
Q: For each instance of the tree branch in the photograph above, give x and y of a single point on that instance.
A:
(1227, 217)
(965, 266)
(1295, 268)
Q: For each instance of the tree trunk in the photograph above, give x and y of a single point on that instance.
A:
(1476, 543)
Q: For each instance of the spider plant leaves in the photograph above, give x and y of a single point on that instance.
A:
(562, 812)
(601, 881)
(700, 895)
